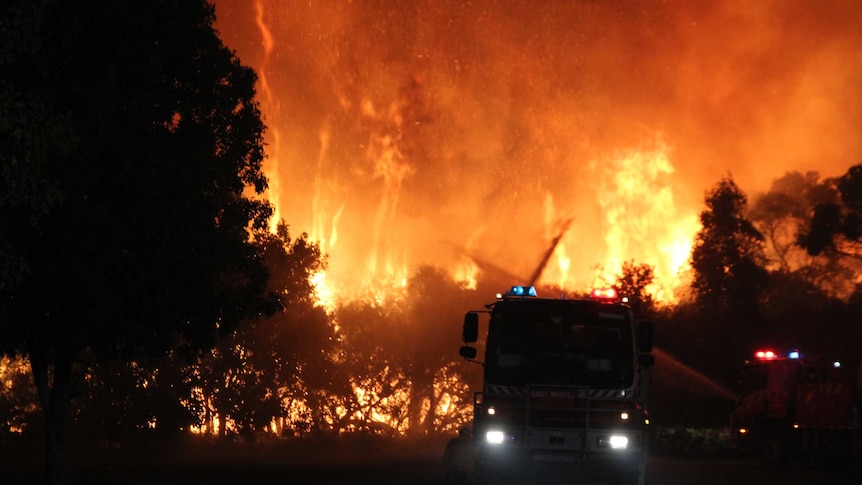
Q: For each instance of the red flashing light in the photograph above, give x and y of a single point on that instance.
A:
(604, 294)
(765, 355)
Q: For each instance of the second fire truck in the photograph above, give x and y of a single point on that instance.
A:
(796, 405)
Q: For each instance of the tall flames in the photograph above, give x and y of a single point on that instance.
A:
(638, 220)
(474, 136)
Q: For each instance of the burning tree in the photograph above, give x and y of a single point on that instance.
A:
(140, 134)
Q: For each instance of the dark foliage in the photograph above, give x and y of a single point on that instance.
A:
(727, 258)
(252, 373)
(133, 142)
(633, 283)
(836, 226)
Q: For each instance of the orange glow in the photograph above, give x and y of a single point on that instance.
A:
(434, 131)
(271, 170)
(643, 221)
(466, 272)
(16, 378)
(325, 293)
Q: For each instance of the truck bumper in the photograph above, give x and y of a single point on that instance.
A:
(546, 466)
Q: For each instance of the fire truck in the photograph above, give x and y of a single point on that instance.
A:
(565, 390)
(796, 406)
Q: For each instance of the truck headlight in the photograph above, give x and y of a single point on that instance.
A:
(494, 437)
(614, 442)
(618, 442)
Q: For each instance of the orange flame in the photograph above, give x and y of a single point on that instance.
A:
(637, 219)
(643, 220)
(439, 127)
(271, 168)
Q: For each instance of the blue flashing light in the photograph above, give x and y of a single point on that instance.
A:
(794, 354)
(524, 291)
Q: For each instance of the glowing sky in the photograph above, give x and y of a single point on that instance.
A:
(412, 132)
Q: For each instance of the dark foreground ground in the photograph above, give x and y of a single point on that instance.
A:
(371, 463)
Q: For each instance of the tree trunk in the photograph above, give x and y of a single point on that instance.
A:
(430, 428)
(55, 399)
(423, 388)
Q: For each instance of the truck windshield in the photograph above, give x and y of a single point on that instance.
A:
(585, 345)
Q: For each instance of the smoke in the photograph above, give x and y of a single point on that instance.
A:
(403, 133)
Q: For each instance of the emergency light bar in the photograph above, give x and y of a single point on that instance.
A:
(604, 294)
(524, 291)
(772, 355)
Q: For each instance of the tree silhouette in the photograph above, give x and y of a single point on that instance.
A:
(836, 226)
(634, 282)
(436, 305)
(782, 215)
(146, 152)
(370, 350)
(403, 355)
(124, 401)
(250, 375)
(779, 213)
(727, 257)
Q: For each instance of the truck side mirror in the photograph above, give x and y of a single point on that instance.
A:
(645, 331)
(470, 333)
(467, 352)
